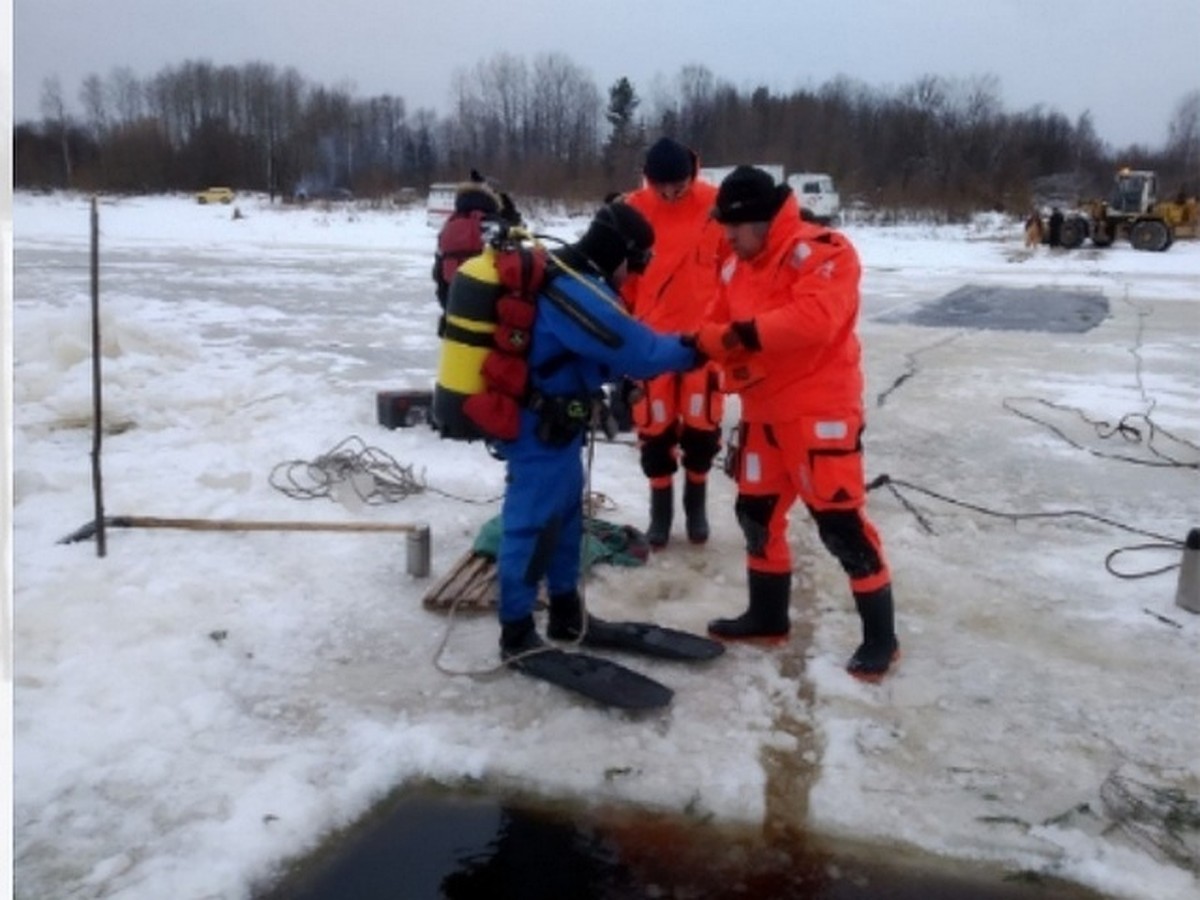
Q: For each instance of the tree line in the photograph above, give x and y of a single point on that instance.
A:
(543, 128)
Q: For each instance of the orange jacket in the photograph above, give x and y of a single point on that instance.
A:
(802, 291)
(679, 284)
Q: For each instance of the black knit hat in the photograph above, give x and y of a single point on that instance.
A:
(668, 161)
(748, 194)
(616, 234)
(473, 195)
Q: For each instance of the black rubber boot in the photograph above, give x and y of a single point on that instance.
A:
(566, 616)
(766, 619)
(662, 509)
(694, 502)
(880, 648)
(566, 622)
(518, 637)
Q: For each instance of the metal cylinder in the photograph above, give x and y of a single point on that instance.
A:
(1187, 593)
(419, 552)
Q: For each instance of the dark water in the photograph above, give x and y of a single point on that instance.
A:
(428, 843)
(1055, 310)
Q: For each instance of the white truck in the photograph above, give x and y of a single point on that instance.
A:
(440, 203)
(814, 191)
(716, 174)
(817, 195)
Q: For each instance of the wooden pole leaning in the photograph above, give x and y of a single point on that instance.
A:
(418, 548)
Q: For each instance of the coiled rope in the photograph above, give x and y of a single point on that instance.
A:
(372, 475)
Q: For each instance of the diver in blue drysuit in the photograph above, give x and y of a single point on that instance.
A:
(582, 338)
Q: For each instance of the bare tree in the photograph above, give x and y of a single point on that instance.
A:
(696, 89)
(467, 139)
(1183, 140)
(93, 98)
(125, 95)
(504, 88)
(566, 109)
(54, 112)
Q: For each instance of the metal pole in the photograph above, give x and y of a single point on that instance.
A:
(97, 481)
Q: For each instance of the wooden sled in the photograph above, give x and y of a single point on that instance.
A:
(470, 585)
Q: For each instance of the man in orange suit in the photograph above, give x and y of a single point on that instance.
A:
(678, 415)
(783, 324)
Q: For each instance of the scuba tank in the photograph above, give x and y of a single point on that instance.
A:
(483, 375)
(468, 339)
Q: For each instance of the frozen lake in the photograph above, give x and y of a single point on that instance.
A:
(195, 710)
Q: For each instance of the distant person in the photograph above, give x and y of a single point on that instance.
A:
(677, 415)
(478, 208)
(578, 342)
(783, 324)
(1034, 229)
(1054, 233)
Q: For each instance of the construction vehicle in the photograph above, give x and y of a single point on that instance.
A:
(1133, 212)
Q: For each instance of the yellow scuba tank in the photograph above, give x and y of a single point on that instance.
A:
(469, 338)
(483, 374)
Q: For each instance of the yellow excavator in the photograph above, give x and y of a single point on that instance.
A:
(1133, 212)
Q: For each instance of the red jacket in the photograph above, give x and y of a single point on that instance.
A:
(679, 284)
(802, 291)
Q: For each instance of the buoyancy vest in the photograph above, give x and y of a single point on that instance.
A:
(483, 373)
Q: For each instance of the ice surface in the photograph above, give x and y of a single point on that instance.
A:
(198, 707)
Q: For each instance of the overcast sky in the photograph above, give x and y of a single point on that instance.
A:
(1129, 64)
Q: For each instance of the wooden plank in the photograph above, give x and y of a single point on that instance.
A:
(470, 582)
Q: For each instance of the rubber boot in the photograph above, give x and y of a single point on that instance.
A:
(518, 637)
(766, 620)
(566, 616)
(567, 622)
(662, 509)
(880, 648)
(694, 502)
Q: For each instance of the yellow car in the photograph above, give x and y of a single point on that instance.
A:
(215, 195)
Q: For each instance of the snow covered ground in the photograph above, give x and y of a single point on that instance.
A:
(196, 708)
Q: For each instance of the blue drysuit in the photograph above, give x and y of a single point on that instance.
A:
(543, 501)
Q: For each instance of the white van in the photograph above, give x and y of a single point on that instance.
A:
(816, 193)
(440, 203)
(716, 174)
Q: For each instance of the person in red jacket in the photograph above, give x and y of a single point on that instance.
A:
(783, 324)
(678, 415)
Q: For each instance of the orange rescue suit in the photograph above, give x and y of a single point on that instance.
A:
(671, 296)
(801, 396)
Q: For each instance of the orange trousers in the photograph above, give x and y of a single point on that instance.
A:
(818, 460)
(679, 415)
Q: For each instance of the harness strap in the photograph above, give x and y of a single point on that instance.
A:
(588, 323)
